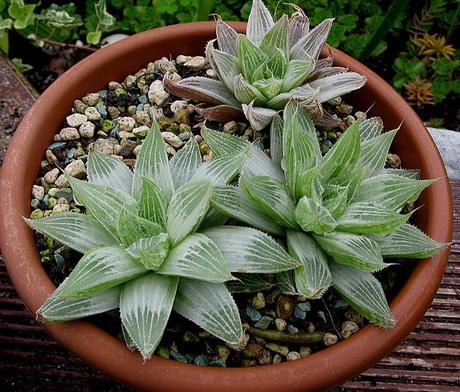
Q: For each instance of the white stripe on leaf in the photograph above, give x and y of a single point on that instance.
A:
(145, 307)
(197, 257)
(211, 306)
(250, 250)
(77, 231)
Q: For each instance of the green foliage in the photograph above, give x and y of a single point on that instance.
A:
(276, 61)
(18, 63)
(140, 246)
(342, 211)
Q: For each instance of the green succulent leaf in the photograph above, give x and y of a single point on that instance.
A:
(258, 163)
(353, 183)
(370, 218)
(260, 22)
(220, 170)
(269, 88)
(271, 196)
(276, 140)
(225, 64)
(300, 155)
(342, 158)
(249, 57)
(391, 191)
(363, 292)
(355, 250)
(152, 163)
(187, 208)
(286, 283)
(310, 45)
(313, 278)
(132, 228)
(203, 89)
(277, 38)
(248, 283)
(335, 199)
(312, 216)
(77, 231)
(226, 37)
(98, 270)
(258, 117)
(197, 257)
(105, 170)
(233, 202)
(337, 85)
(185, 163)
(57, 308)
(222, 143)
(414, 174)
(249, 250)
(312, 184)
(103, 203)
(374, 153)
(211, 306)
(296, 73)
(370, 128)
(408, 242)
(213, 218)
(151, 251)
(276, 65)
(245, 92)
(152, 203)
(145, 307)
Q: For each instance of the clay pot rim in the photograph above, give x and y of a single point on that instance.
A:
(318, 371)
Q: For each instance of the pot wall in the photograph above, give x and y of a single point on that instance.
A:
(316, 372)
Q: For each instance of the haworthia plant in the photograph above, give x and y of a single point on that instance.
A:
(261, 71)
(342, 211)
(142, 249)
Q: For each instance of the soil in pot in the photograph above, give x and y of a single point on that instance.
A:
(115, 121)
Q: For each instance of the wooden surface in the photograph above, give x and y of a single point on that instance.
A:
(30, 360)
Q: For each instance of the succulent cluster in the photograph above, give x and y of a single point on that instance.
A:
(151, 243)
(261, 71)
(341, 213)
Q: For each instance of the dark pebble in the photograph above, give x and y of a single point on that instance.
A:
(264, 322)
(253, 313)
(178, 357)
(201, 360)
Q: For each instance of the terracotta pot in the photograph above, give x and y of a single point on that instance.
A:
(319, 371)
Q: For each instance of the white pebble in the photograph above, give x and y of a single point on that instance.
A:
(87, 129)
(76, 168)
(160, 98)
(76, 119)
(91, 99)
(69, 133)
(137, 150)
(38, 192)
(211, 73)
(61, 208)
(92, 114)
(62, 182)
(126, 124)
(169, 149)
(292, 356)
(172, 139)
(178, 105)
(197, 62)
(181, 59)
(51, 176)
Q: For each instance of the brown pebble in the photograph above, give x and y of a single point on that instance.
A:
(264, 357)
(284, 307)
(252, 350)
(248, 362)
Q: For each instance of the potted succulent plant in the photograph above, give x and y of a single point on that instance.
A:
(155, 239)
